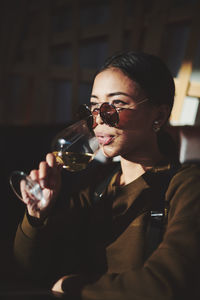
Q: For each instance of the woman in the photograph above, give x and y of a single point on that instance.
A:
(140, 240)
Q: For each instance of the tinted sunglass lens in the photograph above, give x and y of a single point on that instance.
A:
(84, 112)
(109, 114)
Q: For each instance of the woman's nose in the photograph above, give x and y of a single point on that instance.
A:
(98, 120)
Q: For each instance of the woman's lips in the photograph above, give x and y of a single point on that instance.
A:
(105, 139)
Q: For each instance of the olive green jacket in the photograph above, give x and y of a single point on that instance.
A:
(106, 243)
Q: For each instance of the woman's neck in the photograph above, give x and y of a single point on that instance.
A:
(131, 170)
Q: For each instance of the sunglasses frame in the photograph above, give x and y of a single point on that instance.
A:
(116, 112)
(85, 112)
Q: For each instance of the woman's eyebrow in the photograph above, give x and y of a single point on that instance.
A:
(119, 94)
(114, 94)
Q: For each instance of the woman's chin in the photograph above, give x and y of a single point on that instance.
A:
(108, 151)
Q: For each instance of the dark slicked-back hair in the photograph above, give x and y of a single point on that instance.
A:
(148, 71)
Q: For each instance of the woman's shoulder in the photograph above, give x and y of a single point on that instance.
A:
(185, 183)
(187, 172)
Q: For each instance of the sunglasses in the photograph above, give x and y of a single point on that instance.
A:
(108, 112)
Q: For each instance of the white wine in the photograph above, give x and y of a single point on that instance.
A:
(73, 161)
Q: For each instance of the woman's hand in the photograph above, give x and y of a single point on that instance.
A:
(49, 178)
(70, 284)
(58, 286)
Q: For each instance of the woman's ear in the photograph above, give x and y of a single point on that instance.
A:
(162, 115)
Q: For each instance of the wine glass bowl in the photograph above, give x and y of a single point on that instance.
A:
(75, 146)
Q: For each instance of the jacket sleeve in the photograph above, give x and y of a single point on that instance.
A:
(55, 247)
(172, 271)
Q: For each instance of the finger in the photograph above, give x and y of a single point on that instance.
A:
(57, 287)
(33, 209)
(54, 170)
(51, 160)
(43, 173)
(24, 194)
(34, 175)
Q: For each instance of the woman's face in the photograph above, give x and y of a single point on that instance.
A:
(133, 137)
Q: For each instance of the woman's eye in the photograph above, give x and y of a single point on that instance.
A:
(93, 106)
(119, 103)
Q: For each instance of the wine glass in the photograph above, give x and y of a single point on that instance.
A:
(74, 148)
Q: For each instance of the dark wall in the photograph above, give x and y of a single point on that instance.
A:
(22, 148)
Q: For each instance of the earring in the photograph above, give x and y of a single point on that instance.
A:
(156, 127)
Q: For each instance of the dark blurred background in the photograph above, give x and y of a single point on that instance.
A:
(49, 53)
(50, 50)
